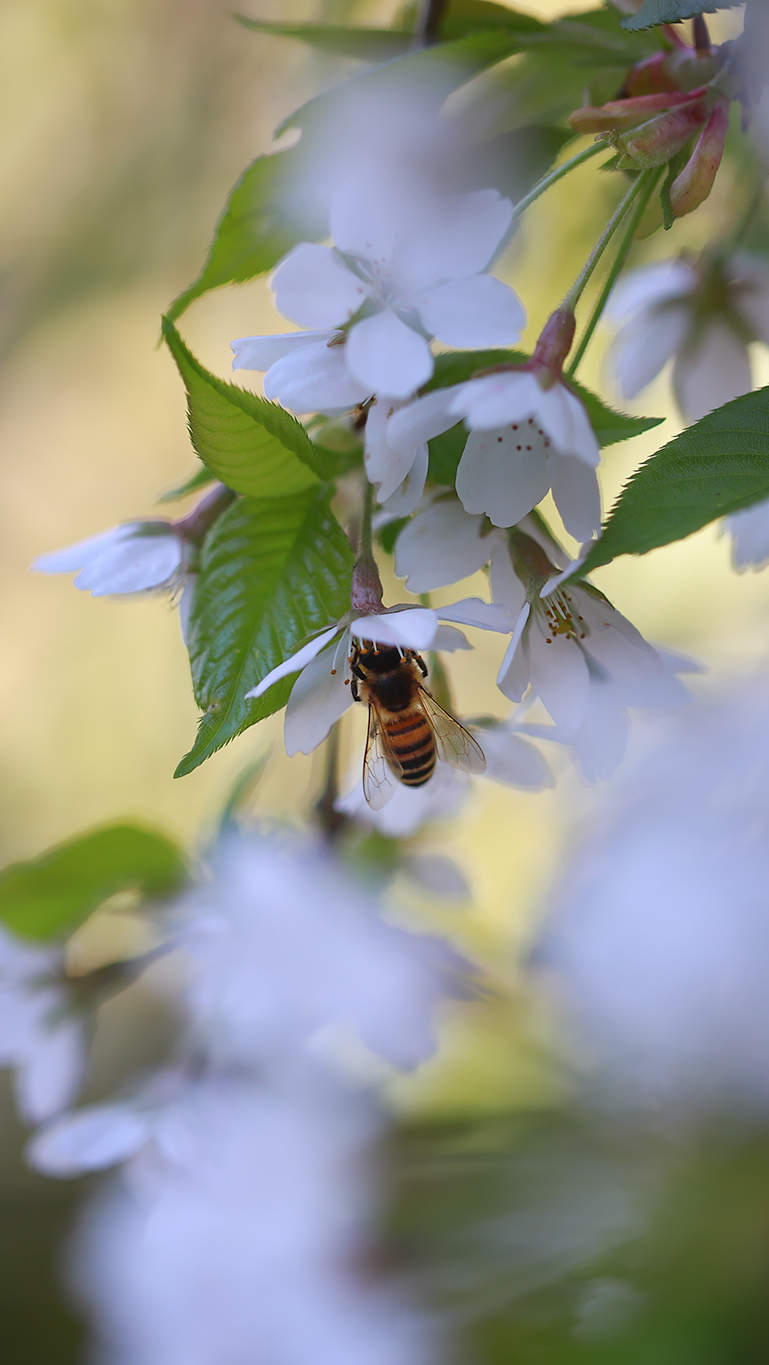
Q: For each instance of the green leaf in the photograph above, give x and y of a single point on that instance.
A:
(265, 215)
(715, 467)
(446, 450)
(200, 479)
(50, 895)
(253, 446)
(672, 12)
(363, 44)
(272, 571)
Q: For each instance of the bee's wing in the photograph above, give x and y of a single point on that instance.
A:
(379, 781)
(454, 743)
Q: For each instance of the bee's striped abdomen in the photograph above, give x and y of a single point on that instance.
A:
(411, 742)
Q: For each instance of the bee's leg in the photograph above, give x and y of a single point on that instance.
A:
(357, 671)
(421, 665)
(354, 689)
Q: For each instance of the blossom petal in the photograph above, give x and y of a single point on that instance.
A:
(559, 674)
(651, 284)
(564, 418)
(503, 473)
(642, 348)
(315, 379)
(422, 420)
(408, 494)
(507, 590)
(473, 611)
(577, 495)
(442, 545)
(749, 530)
(318, 698)
(513, 677)
(259, 353)
(90, 1140)
(82, 552)
(52, 1071)
(389, 356)
(413, 628)
(469, 233)
(388, 466)
(476, 311)
(496, 400)
(512, 760)
(315, 288)
(711, 371)
(294, 662)
(449, 639)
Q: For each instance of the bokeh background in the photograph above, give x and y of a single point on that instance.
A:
(126, 123)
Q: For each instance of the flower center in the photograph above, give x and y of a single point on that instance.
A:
(562, 617)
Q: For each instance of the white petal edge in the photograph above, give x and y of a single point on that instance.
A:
(294, 663)
(89, 1140)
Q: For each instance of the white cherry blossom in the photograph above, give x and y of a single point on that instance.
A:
(406, 266)
(135, 558)
(321, 693)
(41, 1035)
(658, 945)
(699, 314)
(283, 945)
(572, 648)
(528, 434)
(236, 1229)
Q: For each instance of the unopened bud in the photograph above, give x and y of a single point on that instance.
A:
(692, 187)
(655, 142)
(618, 115)
(553, 346)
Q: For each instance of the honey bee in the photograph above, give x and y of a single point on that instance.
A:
(407, 730)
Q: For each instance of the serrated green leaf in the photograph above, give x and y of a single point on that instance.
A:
(716, 466)
(446, 450)
(53, 894)
(672, 12)
(253, 446)
(265, 215)
(272, 571)
(200, 479)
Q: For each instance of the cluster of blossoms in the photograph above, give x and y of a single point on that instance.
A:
(242, 1218)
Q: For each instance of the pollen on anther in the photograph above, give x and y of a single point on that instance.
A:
(333, 671)
(347, 682)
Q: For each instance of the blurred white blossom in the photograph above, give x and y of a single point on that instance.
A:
(701, 315)
(659, 940)
(240, 1230)
(749, 533)
(42, 1036)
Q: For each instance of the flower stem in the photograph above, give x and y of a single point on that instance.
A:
(366, 591)
(651, 179)
(747, 218)
(202, 517)
(427, 30)
(554, 176)
(578, 287)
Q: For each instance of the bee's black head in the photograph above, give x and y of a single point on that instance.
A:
(380, 660)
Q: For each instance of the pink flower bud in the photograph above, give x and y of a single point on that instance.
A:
(620, 114)
(650, 76)
(655, 142)
(692, 187)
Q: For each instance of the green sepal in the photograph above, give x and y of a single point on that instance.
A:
(200, 479)
(717, 466)
(254, 447)
(272, 572)
(49, 896)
